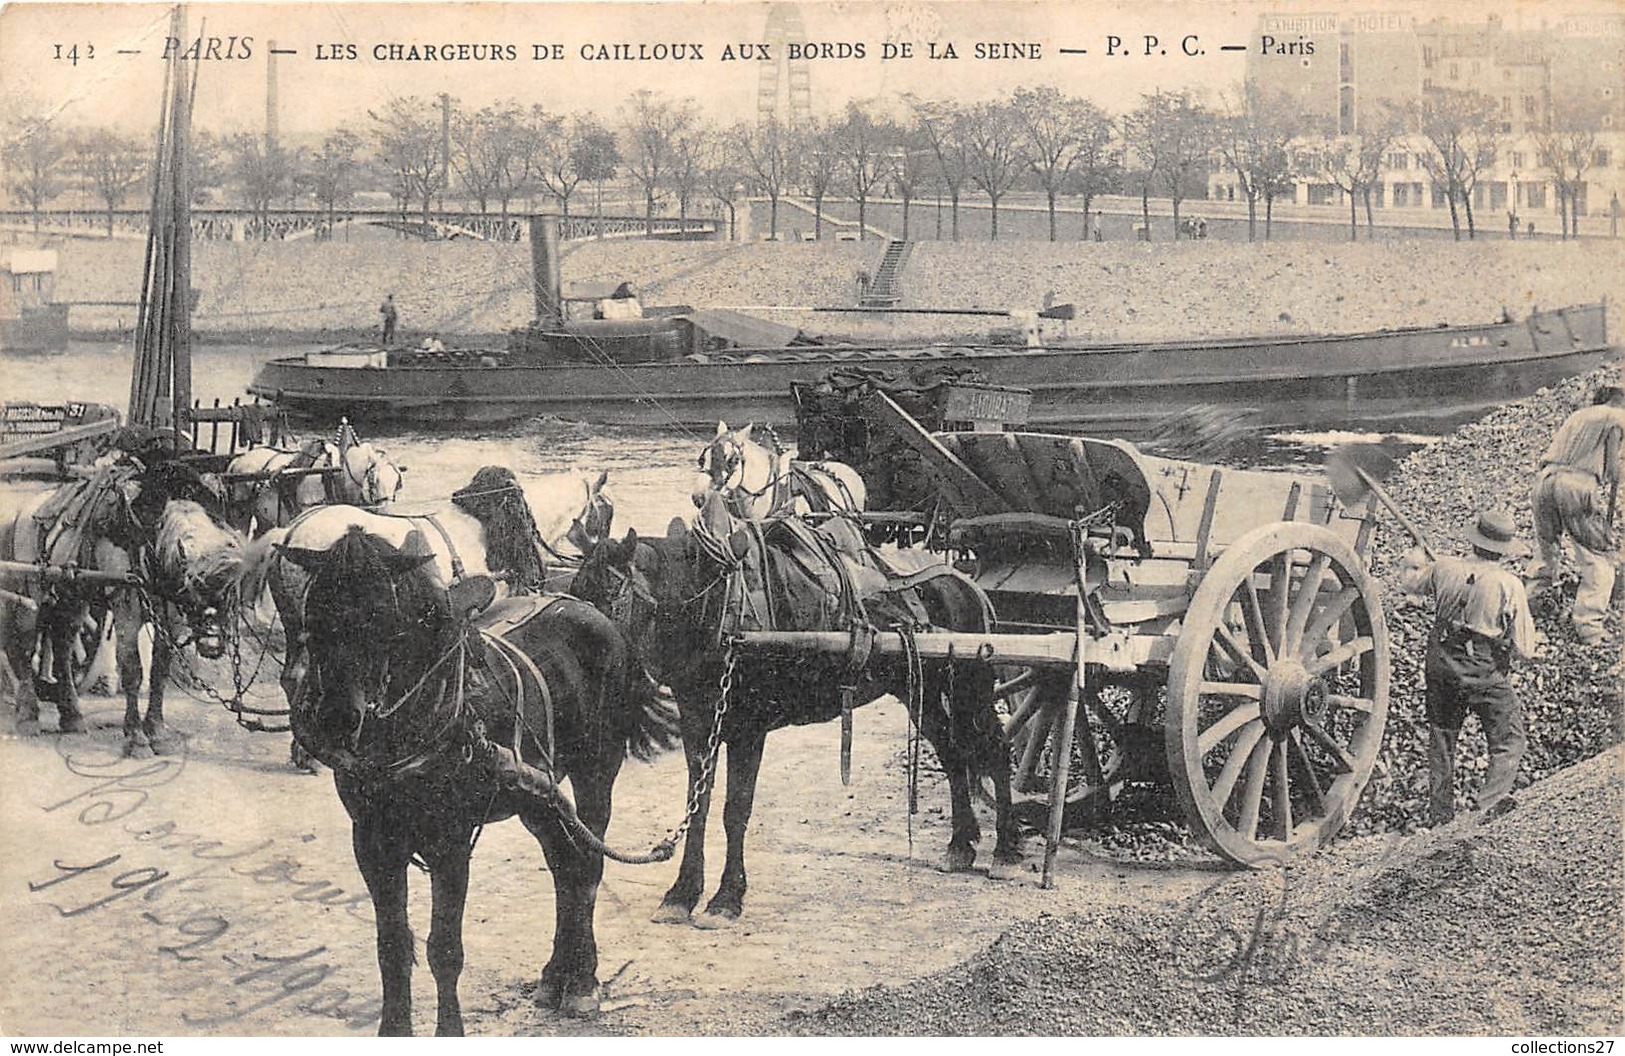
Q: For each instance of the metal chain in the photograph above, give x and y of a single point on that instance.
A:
(713, 747)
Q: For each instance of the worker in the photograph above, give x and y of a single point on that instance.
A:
(1481, 619)
(1582, 461)
(387, 310)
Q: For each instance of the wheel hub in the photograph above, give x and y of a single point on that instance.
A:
(1292, 696)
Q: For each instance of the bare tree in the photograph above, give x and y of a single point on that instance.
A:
(912, 161)
(32, 155)
(407, 132)
(863, 142)
(687, 174)
(1058, 131)
(1173, 135)
(722, 172)
(262, 173)
(597, 155)
(1254, 138)
(821, 157)
(766, 152)
(488, 150)
(1459, 131)
(993, 142)
(560, 169)
(114, 165)
(653, 126)
(1566, 144)
(333, 170)
(944, 127)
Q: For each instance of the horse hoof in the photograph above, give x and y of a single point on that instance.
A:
(1003, 870)
(716, 920)
(580, 1005)
(71, 724)
(136, 746)
(671, 913)
(958, 860)
(26, 727)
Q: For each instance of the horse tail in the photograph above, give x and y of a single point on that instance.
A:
(258, 558)
(655, 726)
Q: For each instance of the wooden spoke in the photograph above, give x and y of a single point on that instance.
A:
(1330, 614)
(1345, 762)
(1223, 637)
(1343, 653)
(1252, 611)
(1317, 791)
(1037, 736)
(1014, 685)
(1361, 704)
(1283, 791)
(1251, 690)
(1252, 795)
(1023, 713)
(1232, 721)
(1240, 752)
(1280, 596)
(1308, 591)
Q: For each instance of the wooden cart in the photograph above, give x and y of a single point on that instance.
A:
(1224, 616)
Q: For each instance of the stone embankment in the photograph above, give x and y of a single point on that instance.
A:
(474, 292)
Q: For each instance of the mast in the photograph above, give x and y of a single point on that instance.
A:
(161, 378)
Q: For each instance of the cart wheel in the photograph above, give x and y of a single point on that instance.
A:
(1277, 693)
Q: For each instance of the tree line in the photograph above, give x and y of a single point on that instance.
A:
(422, 150)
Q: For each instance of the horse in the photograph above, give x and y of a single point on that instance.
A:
(492, 527)
(678, 598)
(538, 530)
(405, 699)
(365, 477)
(160, 525)
(759, 482)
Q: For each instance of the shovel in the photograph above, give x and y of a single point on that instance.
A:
(1355, 471)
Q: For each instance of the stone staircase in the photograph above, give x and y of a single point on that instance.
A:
(885, 289)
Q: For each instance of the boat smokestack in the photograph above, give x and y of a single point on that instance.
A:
(544, 269)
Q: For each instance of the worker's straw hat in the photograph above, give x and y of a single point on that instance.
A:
(1495, 533)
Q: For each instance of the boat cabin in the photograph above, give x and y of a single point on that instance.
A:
(30, 317)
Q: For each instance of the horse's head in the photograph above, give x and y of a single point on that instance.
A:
(369, 473)
(376, 620)
(618, 578)
(591, 526)
(738, 467)
(200, 564)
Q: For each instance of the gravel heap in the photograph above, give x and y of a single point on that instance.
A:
(1571, 692)
(1510, 927)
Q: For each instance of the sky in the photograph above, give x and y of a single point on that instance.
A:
(120, 82)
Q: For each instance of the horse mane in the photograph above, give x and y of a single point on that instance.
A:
(192, 549)
(495, 499)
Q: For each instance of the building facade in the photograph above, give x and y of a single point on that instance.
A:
(1363, 67)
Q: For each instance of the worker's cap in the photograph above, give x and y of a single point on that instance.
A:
(1494, 532)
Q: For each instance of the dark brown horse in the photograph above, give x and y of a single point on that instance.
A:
(422, 715)
(679, 597)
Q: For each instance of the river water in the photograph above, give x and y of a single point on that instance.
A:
(650, 474)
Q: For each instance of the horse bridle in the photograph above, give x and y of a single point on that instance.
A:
(735, 463)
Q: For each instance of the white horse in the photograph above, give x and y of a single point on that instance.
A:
(758, 481)
(522, 534)
(364, 476)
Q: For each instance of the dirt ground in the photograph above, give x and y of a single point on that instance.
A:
(212, 891)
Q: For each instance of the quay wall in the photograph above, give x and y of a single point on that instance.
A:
(474, 292)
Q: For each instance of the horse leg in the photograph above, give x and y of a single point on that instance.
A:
(158, 736)
(127, 620)
(382, 862)
(991, 756)
(569, 980)
(65, 634)
(936, 726)
(684, 893)
(448, 878)
(294, 665)
(744, 761)
(22, 636)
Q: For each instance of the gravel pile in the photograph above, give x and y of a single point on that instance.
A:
(1570, 692)
(1510, 927)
